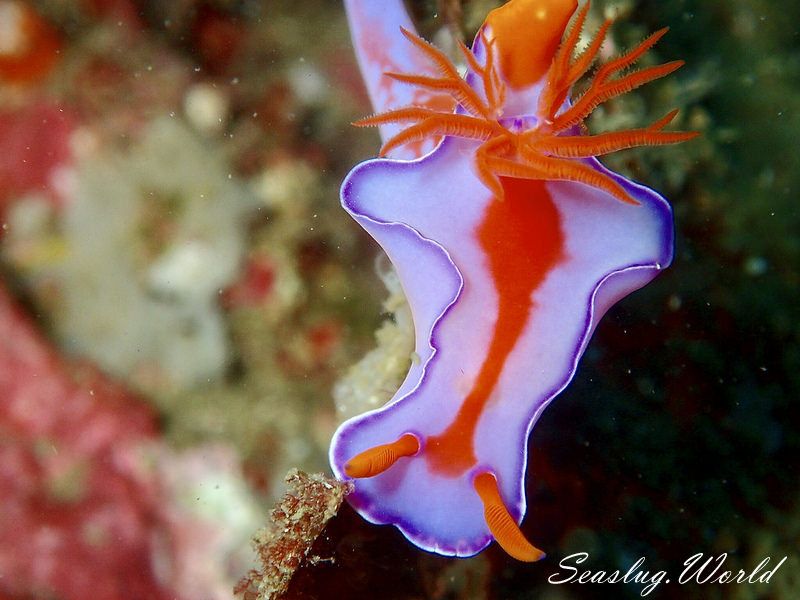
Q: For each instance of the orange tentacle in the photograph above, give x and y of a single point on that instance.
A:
(473, 63)
(581, 146)
(495, 82)
(462, 92)
(500, 86)
(458, 88)
(485, 173)
(576, 71)
(509, 168)
(630, 57)
(441, 124)
(489, 179)
(438, 57)
(631, 81)
(479, 70)
(601, 89)
(376, 460)
(537, 166)
(560, 66)
(586, 59)
(436, 83)
(663, 121)
(466, 127)
(400, 115)
(496, 89)
(597, 94)
(570, 170)
(502, 525)
(567, 47)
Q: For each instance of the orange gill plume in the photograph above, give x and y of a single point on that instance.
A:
(549, 150)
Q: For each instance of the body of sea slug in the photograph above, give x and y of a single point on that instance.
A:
(510, 241)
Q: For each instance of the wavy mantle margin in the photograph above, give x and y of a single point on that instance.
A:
(645, 271)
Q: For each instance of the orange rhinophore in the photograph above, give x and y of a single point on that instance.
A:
(376, 460)
(502, 525)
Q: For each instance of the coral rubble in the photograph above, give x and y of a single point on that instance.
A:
(284, 544)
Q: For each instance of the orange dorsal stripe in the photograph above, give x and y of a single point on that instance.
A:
(376, 460)
(502, 525)
(523, 241)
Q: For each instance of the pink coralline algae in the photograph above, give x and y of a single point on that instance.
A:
(81, 514)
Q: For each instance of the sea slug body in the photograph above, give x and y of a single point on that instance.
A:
(511, 241)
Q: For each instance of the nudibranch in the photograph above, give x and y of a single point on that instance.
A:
(511, 241)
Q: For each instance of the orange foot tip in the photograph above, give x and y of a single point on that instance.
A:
(376, 460)
(502, 525)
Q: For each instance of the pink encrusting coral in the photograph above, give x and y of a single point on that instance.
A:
(510, 240)
(91, 497)
(80, 508)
